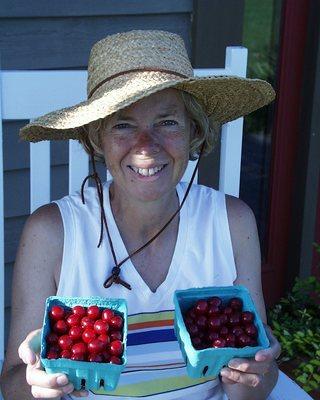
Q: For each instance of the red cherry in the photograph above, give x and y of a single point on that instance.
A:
(230, 340)
(75, 332)
(52, 338)
(106, 356)
(237, 330)
(56, 313)
(188, 321)
(65, 342)
(201, 322)
(87, 322)
(60, 327)
(251, 330)
(191, 313)
(235, 303)
(93, 312)
(228, 311)
(116, 348)
(224, 319)
(115, 335)
(212, 336)
(96, 346)
(234, 319)
(213, 310)
(215, 301)
(78, 357)
(201, 307)
(88, 335)
(52, 355)
(115, 360)
(218, 343)
(65, 354)
(104, 338)
(116, 322)
(214, 323)
(247, 317)
(197, 343)
(107, 314)
(244, 340)
(95, 358)
(73, 320)
(193, 330)
(79, 311)
(224, 331)
(101, 326)
(79, 348)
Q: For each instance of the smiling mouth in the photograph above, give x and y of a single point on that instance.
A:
(147, 171)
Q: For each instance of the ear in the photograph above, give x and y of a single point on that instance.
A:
(194, 130)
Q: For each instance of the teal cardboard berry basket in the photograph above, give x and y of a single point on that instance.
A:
(85, 375)
(209, 361)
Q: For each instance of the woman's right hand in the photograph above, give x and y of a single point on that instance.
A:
(43, 385)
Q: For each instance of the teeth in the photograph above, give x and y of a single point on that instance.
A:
(147, 171)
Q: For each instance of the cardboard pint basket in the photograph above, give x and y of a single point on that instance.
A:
(83, 374)
(209, 361)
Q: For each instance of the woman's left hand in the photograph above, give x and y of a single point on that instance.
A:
(249, 371)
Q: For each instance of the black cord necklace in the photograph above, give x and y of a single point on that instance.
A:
(115, 272)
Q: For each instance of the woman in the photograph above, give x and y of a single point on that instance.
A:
(146, 116)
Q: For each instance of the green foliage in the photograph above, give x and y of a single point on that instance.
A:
(295, 321)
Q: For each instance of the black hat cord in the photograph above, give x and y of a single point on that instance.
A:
(115, 274)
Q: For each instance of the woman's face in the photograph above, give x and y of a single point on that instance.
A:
(146, 146)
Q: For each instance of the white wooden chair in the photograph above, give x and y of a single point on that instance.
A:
(22, 98)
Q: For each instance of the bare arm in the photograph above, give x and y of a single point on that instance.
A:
(38, 261)
(257, 376)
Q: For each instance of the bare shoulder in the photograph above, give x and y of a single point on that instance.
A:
(38, 259)
(46, 218)
(246, 249)
(242, 222)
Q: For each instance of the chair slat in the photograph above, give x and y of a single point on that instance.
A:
(78, 166)
(231, 135)
(39, 174)
(2, 309)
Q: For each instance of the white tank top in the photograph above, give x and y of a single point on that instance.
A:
(203, 256)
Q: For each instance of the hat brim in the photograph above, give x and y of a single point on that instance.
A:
(224, 98)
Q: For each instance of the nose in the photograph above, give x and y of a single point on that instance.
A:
(147, 143)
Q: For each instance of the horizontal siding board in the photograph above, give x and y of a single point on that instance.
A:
(39, 41)
(12, 232)
(8, 273)
(7, 319)
(16, 193)
(15, 151)
(58, 8)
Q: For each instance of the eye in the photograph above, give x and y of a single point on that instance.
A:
(168, 122)
(121, 126)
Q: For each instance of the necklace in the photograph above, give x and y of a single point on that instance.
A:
(115, 272)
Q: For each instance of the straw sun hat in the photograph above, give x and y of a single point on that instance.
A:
(126, 67)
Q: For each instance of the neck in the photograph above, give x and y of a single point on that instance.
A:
(142, 219)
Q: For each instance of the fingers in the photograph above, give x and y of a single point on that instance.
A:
(273, 352)
(45, 385)
(45, 393)
(249, 366)
(30, 346)
(233, 376)
(80, 393)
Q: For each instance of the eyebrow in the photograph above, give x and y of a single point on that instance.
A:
(166, 111)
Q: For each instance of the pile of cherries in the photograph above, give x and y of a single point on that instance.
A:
(85, 334)
(212, 324)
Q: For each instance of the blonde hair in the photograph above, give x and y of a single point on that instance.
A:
(206, 131)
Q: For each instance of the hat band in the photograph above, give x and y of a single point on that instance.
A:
(167, 71)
